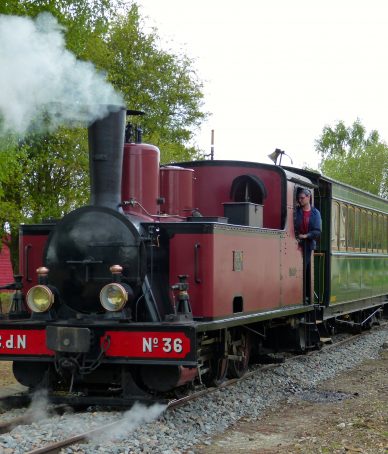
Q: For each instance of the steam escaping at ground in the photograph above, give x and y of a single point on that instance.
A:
(38, 406)
(135, 417)
(42, 84)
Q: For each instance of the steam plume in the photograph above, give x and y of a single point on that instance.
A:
(138, 415)
(42, 84)
(38, 405)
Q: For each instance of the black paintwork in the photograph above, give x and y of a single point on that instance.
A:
(106, 148)
(81, 249)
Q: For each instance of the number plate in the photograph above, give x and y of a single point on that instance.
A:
(152, 344)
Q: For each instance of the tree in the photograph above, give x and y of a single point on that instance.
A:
(46, 175)
(41, 178)
(354, 157)
(162, 83)
(157, 81)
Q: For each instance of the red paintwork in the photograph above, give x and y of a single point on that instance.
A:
(24, 342)
(271, 276)
(136, 344)
(6, 272)
(152, 344)
(186, 375)
(30, 246)
(176, 186)
(272, 271)
(141, 177)
(213, 183)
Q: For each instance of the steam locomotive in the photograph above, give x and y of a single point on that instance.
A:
(182, 273)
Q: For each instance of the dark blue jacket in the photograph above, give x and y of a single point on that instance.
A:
(315, 226)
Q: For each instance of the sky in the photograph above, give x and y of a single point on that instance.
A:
(276, 72)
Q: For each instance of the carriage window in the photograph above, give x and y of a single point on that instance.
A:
(351, 228)
(369, 232)
(379, 232)
(363, 230)
(357, 230)
(373, 239)
(342, 226)
(376, 232)
(385, 233)
(334, 225)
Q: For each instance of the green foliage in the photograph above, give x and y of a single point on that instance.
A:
(46, 176)
(351, 155)
(151, 79)
(54, 173)
(5, 302)
(41, 178)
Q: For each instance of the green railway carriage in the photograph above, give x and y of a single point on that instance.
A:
(351, 260)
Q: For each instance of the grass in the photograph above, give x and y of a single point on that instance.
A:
(5, 301)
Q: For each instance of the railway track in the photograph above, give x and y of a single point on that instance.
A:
(84, 437)
(9, 425)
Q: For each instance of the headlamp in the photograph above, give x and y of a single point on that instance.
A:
(113, 297)
(40, 298)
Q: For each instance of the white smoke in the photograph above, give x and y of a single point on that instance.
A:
(42, 84)
(38, 406)
(135, 417)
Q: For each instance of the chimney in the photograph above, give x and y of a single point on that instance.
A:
(106, 145)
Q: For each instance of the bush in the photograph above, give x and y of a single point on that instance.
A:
(5, 301)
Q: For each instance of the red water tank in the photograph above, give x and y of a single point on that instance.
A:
(176, 187)
(140, 184)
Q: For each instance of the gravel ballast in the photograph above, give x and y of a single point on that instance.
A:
(149, 430)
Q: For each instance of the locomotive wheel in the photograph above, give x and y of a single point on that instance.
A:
(240, 347)
(215, 358)
(301, 339)
(220, 370)
(217, 372)
(32, 375)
